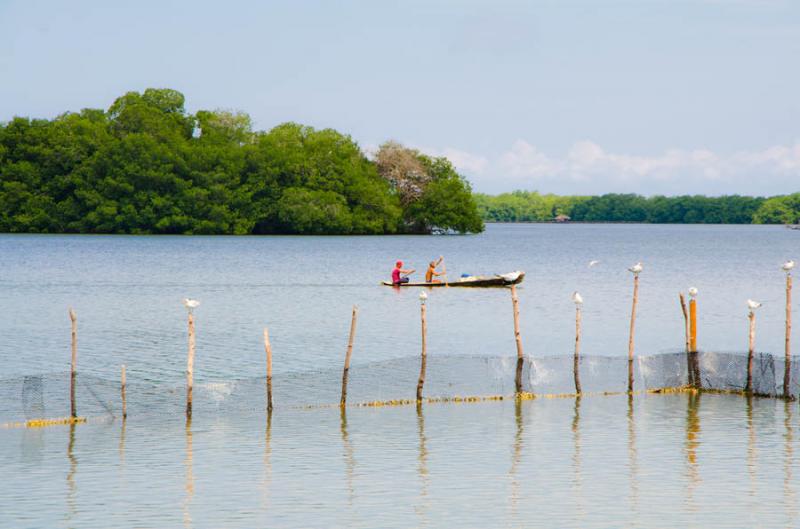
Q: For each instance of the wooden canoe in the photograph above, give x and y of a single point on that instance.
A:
(496, 280)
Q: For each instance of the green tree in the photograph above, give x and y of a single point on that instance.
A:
(146, 165)
(433, 195)
(779, 210)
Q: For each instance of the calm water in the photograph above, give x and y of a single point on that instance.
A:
(658, 461)
(127, 293)
(651, 461)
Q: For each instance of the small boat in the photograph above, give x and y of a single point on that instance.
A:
(496, 280)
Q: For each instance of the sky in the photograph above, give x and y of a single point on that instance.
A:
(564, 96)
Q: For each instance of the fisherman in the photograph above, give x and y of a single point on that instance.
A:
(432, 273)
(399, 275)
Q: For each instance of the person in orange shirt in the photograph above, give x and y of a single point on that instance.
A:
(431, 274)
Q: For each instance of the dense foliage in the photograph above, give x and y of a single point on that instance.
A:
(524, 206)
(148, 166)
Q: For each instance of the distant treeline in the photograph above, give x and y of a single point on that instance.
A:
(527, 206)
(146, 165)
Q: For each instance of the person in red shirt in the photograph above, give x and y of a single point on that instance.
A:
(399, 274)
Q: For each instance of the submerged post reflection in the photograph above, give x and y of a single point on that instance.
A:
(267, 479)
(516, 456)
(349, 459)
(633, 459)
(692, 444)
(752, 455)
(73, 468)
(788, 462)
(189, 483)
(422, 468)
(577, 483)
(122, 441)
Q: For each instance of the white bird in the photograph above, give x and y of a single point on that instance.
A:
(693, 292)
(636, 268)
(787, 266)
(577, 298)
(593, 262)
(423, 296)
(753, 305)
(190, 304)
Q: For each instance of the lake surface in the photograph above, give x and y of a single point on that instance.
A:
(127, 292)
(653, 460)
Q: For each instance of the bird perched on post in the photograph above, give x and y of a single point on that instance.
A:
(636, 268)
(422, 297)
(787, 266)
(190, 304)
(693, 292)
(577, 298)
(752, 305)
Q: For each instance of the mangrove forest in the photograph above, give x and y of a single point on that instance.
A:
(146, 165)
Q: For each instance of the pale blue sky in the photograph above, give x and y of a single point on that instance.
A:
(649, 96)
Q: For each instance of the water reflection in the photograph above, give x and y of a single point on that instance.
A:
(441, 458)
(577, 480)
(73, 468)
(189, 486)
(516, 457)
(422, 470)
(267, 480)
(633, 459)
(691, 445)
(788, 461)
(122, 441)
(33, 408)
(32, 445)
(752, 456)
(349, 459)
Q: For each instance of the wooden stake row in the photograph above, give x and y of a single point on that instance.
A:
(690, 321)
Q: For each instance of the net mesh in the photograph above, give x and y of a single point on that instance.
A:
(47, 395)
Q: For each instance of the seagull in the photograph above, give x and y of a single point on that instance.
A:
(593, 262)
(423, 296)
(787, 266)
(190, 304)
(577, 298)
(693, 292)
(752, 305)
(636, 268)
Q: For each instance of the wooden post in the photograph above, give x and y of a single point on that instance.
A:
(787, 369)
(190, 368)
(268, 349)
(631, 335)
(517, 339)
(685, 320)
(748, 388)
(693, 343)
(689, 356)
(122, 391)
(576, 360)
(347, 356)
(421, 380)
(74, 364)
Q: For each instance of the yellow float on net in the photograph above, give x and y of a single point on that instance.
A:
(41, 423)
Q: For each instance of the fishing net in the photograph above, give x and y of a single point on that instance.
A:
(47, 396)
